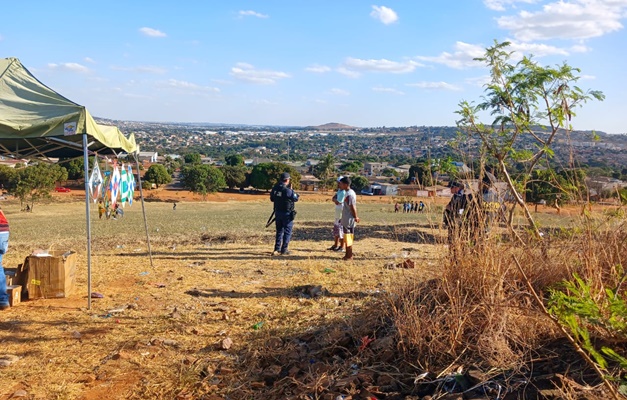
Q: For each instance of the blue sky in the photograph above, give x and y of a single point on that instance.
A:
(393, 63)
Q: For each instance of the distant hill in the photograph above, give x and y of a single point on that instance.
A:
(332, 126)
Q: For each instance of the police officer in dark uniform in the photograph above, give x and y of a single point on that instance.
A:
(461, 216)
(283, 198)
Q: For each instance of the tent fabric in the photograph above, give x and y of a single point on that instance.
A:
(36, 120)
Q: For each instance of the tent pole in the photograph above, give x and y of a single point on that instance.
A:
(141, 195)
(88, 218)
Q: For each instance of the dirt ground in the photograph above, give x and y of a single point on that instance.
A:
(187, 325)
(207, 301)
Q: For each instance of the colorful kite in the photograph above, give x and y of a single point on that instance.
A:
(123, 185)
(131, 185)
(115, 184)
(95, 182)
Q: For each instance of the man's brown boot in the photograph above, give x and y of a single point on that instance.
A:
(349, 253)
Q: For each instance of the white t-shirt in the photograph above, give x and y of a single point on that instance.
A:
(347, 216)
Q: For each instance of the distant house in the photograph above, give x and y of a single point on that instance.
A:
(206, 160)
(389, 189)
(309, 183)
(149, 156)
(12, 163)
(408, 190)
(374, 168)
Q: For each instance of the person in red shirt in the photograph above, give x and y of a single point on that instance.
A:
(4, 245)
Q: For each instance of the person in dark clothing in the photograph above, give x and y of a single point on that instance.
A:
(460, 216)
(283, 198)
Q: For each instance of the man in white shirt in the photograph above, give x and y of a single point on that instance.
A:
(349, 216)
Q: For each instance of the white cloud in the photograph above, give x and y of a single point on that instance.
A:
(188, 86)
(89, 60)
(384, 14)
(587, 77)
(577, 19)
(579, 48)
(462, 57)
(251, 13)
(358, 65)
(150, 32)
(318, 69)
(387, 90)
(340, 92)
(73, 67)
(142, 69)
(435, 85)
(248, 73)
(499, 5)
(465, 53)
(479, 80)
(537, 49)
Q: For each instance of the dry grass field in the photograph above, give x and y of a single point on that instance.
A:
(215, 317)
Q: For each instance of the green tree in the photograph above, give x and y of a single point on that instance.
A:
(35, 182)
(234, 160)
(325, 169)
(234, 176)
(171, 164)
(389, 172)
(158, 175)
(75, 167)
(358, 183)
(351, 166)
(419, 174)
(202, 178)
(192, 158)
(7, 176)
(265, 175)
(522, 96)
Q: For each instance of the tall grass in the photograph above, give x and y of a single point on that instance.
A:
(481, 312)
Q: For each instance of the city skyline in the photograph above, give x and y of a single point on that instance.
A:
(398, 63)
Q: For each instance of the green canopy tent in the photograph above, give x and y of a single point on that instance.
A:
(37, 122)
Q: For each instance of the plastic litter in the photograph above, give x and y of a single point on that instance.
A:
(258, 325)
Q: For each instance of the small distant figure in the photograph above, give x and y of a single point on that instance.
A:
(414, 206)
(117, 211)
(421, 206)
(27, 208)
(396, 207)
(101, 209)
(174, 207)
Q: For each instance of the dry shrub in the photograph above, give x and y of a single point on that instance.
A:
(480, 310)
